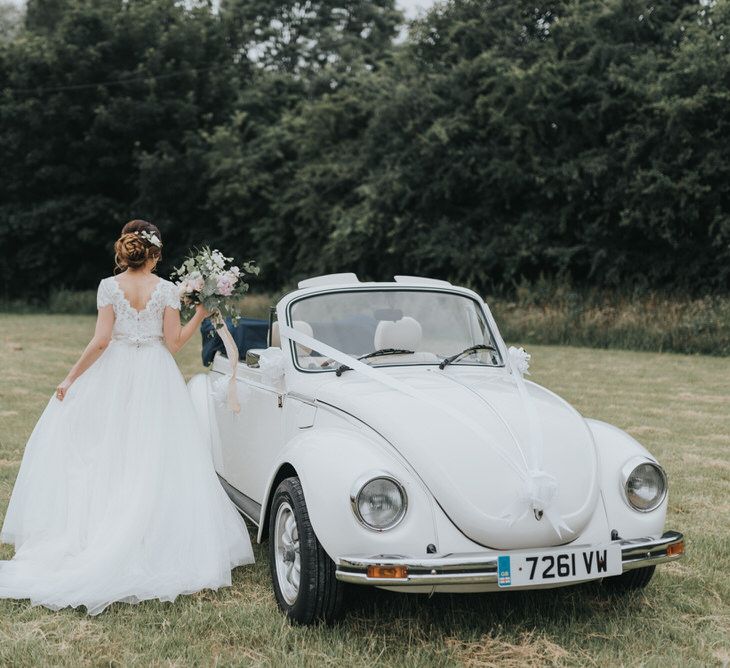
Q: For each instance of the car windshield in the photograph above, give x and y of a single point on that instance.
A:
(394, 327)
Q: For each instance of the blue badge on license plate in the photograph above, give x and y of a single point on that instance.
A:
(504, 571)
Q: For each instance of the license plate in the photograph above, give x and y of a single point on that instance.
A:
(556, 566)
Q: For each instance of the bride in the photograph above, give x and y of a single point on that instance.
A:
(116, 498)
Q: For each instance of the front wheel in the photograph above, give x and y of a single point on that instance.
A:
(632, 580)
(302, 573)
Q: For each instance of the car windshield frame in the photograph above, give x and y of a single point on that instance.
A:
(382, 360)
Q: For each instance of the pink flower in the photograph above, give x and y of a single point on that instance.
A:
(224, 286)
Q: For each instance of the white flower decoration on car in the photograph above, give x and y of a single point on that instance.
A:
(271, 363)
(519, 360)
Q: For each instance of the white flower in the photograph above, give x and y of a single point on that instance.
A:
(207, 274)
(218, 259)
(519, 360)
(152, 238)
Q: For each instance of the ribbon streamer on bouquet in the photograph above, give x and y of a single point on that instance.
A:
(232, 353)
(540, 488)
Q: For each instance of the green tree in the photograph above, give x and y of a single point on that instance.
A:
(309, 36)
(499, 140)
(273, 171)
(86, 99)
(514, 139)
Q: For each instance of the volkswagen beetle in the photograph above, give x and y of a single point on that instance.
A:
(387, 438)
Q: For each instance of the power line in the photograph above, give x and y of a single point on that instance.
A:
(114, 82)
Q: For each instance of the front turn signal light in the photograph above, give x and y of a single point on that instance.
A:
(675, 549)
(388, 572)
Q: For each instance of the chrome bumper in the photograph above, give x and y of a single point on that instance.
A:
(481, 569)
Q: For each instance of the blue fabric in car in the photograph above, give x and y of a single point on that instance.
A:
(249, 333)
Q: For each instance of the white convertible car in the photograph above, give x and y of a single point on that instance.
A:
(387, 438)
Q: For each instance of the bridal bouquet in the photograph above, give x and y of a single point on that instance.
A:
(210, 278)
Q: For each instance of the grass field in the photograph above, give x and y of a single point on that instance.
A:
(678, 406)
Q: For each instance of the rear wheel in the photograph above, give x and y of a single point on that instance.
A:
(629, 581)
(302, 573)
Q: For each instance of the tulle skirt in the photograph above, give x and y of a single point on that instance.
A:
(117, 498)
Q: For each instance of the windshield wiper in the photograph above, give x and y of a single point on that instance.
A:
(377, 353)
(470, 349)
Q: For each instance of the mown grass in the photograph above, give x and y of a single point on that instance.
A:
(678, 406)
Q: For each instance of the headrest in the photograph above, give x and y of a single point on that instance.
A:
(301, 326)
(405, 333)
(275, 337)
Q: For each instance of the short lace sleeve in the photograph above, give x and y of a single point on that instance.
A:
(172, 296)
(103, 294)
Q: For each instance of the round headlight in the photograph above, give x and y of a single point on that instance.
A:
(646, 486)
(380, 503)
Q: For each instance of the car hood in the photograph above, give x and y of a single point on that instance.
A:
(475, 485)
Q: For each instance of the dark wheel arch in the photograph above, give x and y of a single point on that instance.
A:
(286, 470)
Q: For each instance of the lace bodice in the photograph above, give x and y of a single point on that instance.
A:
(135, 326)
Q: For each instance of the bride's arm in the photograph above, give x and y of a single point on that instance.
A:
(177, 335)
(92, 352)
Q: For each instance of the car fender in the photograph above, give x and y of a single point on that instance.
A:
(330, 461)
(615, 449)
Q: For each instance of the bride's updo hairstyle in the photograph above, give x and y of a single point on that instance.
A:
(135, 245)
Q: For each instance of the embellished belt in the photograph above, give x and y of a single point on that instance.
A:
(138, 341)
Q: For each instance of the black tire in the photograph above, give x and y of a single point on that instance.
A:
(320, 595)
(629, 581)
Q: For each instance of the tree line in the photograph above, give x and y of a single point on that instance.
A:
(488, 142)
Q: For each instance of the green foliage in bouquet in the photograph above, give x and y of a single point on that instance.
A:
(210, 278)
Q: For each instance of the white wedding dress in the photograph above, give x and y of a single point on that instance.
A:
(117, 498)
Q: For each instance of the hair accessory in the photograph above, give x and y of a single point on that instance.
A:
(151, 237)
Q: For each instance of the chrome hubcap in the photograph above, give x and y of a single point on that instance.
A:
(286, 553)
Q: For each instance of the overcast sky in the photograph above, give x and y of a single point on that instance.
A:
(412, 7)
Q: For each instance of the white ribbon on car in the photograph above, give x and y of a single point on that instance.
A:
(540, 488)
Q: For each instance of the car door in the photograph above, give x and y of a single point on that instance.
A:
(251, 439)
